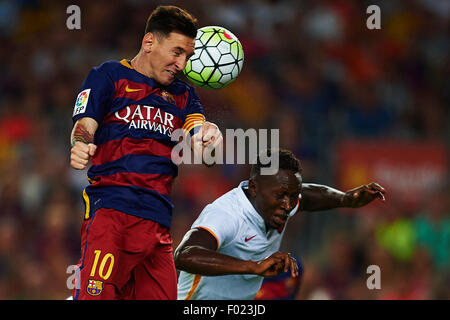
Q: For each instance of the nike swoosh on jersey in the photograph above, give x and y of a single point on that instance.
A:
(131, 90)
(249, 238)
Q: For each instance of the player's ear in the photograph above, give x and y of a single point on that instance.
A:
(148, 42)
(252, 187)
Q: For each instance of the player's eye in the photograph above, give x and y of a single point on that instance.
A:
(279, 196)
(294, 196)
(177, 52)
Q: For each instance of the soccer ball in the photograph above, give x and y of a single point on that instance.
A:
(218, 58)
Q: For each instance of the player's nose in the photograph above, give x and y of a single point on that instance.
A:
(180, 63)
(285, 205)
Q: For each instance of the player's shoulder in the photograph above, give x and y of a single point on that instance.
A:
(112, 68)
(179, 86)
(222, 216)
(228, 203)
(109, 65)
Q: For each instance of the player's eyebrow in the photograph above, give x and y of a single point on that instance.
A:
(181, 50)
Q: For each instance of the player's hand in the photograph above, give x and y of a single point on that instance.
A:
(80, 154)
(360, 196)
(208, 136)
(275, 264)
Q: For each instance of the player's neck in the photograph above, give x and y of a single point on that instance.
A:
(138, 64)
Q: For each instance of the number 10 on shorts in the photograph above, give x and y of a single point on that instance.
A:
(102, 271)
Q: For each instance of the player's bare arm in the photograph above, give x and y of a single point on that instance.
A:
(197, 254)
(317, 197)
(81, 133)
(82, 141)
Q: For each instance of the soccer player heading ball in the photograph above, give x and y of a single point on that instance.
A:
(124, 117)
(234, 242)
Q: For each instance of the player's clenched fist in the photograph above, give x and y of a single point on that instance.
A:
(208, 135)
(80, 154)
(82, 138)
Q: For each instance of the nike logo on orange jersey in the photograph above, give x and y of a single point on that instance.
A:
(131, 90)
(249, 238)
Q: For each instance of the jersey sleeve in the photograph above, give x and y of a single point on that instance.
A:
(95, 96)
(195, 116)
(220, 223)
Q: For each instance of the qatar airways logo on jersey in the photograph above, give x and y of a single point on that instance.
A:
(147, 118)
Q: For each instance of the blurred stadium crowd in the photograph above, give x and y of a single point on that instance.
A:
(311, 68)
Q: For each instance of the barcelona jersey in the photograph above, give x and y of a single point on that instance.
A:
(132, 170)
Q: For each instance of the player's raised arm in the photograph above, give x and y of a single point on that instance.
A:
(82, 141)
(317, 197)
(197, 254)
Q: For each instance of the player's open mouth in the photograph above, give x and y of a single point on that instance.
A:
(171, 73)
(279, 220)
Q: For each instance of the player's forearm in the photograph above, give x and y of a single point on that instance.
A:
(317, 197)
(205, 262)
(83, 131)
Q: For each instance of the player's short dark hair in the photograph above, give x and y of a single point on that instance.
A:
(167, 19)
(287, 161)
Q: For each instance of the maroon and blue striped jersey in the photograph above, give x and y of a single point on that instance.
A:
(132, 170)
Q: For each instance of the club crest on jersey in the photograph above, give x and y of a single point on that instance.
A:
(94, 287)
(168, 97)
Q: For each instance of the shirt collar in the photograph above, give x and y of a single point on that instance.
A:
(250, 210)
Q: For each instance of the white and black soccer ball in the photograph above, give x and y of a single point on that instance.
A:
(217, 60)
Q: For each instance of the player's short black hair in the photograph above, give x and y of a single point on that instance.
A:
(287, 161)
(167, 19)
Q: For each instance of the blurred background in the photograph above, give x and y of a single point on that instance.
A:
(355, 105)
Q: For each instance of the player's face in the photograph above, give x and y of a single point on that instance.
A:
(276, 196)
(169, 55)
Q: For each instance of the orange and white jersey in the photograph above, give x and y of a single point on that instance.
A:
(240, 232)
